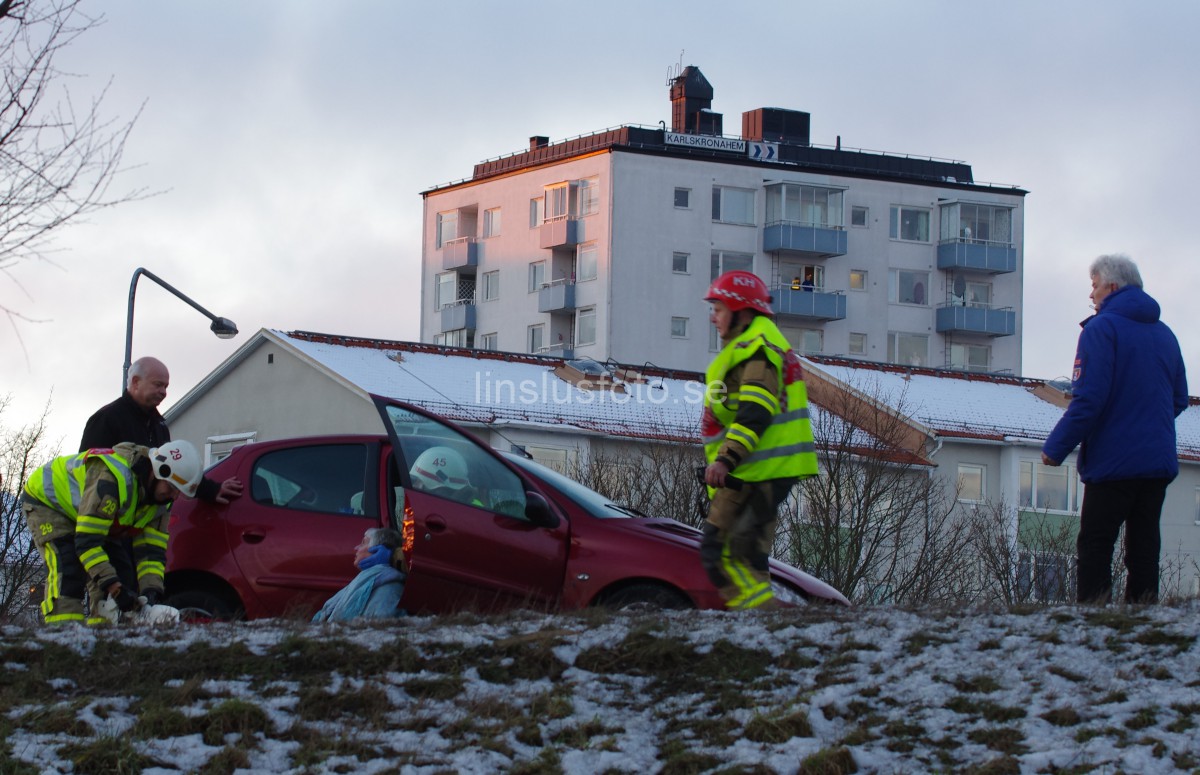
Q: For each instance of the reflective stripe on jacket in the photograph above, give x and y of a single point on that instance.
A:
(59, 484)
(785, 450)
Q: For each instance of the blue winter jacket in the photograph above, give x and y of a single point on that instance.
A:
(1128, 387)
(374, 593)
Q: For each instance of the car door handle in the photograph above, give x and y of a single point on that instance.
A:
(434, 525)
(253, 536)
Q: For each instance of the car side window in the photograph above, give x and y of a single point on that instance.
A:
(328, 478)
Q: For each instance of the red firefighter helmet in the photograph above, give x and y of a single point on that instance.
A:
(741, 290)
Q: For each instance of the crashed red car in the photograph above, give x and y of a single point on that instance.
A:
(520, 535)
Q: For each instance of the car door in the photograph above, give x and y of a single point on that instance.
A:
(295, 548)
(473, 541)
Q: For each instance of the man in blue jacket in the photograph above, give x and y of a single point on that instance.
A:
(1128, 387)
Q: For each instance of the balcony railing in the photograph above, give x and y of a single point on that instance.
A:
(558, 350)
(460, 253)
(805, 239)
(557, 296)
(815, 304)
(560, 232)
(460, 314)
(977, 319)
(977, 255)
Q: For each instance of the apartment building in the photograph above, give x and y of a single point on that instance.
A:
(603, 245)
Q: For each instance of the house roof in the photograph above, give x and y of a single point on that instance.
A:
(495, 388)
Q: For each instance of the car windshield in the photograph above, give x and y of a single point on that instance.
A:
(588, 499)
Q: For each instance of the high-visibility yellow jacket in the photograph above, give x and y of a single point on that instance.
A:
(760, 424)
(99, 492)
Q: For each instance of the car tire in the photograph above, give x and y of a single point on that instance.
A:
(200, 605)
(646, 597)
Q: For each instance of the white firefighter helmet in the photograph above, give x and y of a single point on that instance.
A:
(178, 462)
(439, 467)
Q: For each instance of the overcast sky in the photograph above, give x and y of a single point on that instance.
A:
(291, 141)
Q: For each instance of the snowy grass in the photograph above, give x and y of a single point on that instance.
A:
(1057, 690)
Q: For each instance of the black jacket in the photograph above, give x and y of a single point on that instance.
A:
(124, 420)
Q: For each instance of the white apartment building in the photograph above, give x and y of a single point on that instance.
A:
(603, 246)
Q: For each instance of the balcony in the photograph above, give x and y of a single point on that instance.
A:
(560, 233)
(461, 253)
(460, 314)
(559, 350)
(804, 239)
(976, 319)
(557, 296)
(977, 255)
(816, 304)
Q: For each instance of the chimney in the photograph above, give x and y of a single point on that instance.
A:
(538, 141)
(691, 98)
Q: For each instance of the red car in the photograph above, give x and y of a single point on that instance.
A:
(483, 531)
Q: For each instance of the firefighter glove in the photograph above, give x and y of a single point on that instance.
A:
(126, 600)
(152, 597)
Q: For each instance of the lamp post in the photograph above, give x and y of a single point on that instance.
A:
(224, 328)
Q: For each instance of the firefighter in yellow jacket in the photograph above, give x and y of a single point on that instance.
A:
(756, 434)
(80, 508)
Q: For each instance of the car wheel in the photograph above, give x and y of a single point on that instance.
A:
(646, 597)
(199, 605)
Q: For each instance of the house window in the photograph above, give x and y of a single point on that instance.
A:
(489, 341)
(491, 222)
(909, 224)
(217, 448)
(535, 212)
(858, 344)
(491, 286)
(858, 216)
(908, 349)
(679, 263)
(810, 341)
(537, 276)
(683, 198)
(447, 289)
(970, 357)
(976, 223)
(558, 201)
(909, 287)
(733, 205)
(679, 328)
(1049, 488)
(858, 279)
(588, 196)
(585, 261)
(535, 337)
(447, 227)
(460, 337)
(808, 277)
(585, 326)
(804, 205)
(723, 261)
(551, 457)
(979, 294)
(970, 482)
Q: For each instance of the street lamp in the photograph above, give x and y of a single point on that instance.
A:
(224, 328)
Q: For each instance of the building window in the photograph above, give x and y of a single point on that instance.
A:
(858, 344)
(585, 261)
(585, 326)
(724, 261)
(679, 263)
(908, 349)
(491, 222)
(537, 276)
(535, 212)
(812, 341)
(447, 289)
(489, 341)
(976, 223)
(804, 205)
(807, 277)
(558, 201)
(459, 337)
(909, 224)
(970, 482)
(1196, 513)
(733, 205)
(970, 357)
(683, 198)
(679, 328)
(858, 216)
(858, 279)
(909, 287)
(1050, 488)
(588, 195)
(447, 227)
(535, 337)
(491, 286)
